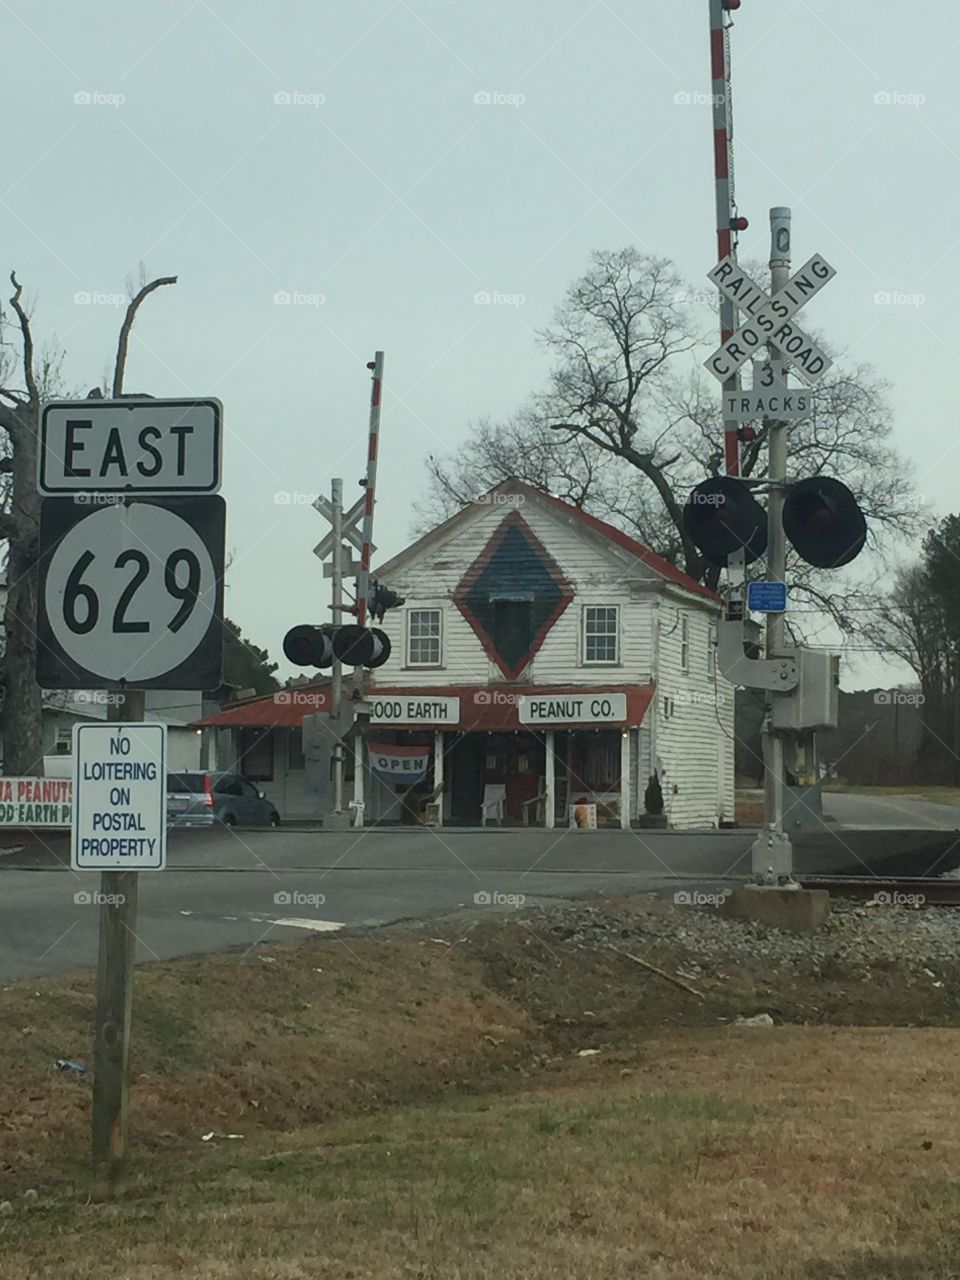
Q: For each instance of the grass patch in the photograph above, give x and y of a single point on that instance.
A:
(415, 1110)
(785, 1166)
(917, 791)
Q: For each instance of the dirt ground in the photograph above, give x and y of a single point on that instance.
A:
(480, 1099)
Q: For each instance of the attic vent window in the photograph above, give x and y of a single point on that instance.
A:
(512, 628)
(512, 595)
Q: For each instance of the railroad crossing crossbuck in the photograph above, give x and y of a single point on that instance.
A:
(770, 319)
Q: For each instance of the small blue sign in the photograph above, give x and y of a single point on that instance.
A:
(767, 597)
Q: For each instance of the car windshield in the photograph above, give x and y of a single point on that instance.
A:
(186, 783)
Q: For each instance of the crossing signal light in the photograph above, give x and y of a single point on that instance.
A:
(308, 646)
(721, 517)
(361, 646)
(313, 646)
(823, 522)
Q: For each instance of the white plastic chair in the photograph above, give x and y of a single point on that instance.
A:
(494, 802)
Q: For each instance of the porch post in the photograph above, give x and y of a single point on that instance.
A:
(625, 779)
(359, 764)
(438, 773)
(549, 782)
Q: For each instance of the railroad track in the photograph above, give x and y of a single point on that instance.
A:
(905, 891)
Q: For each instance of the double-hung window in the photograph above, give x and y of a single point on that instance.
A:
(423, 638)
(601, 634)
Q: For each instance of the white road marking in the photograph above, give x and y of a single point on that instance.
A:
(318, 926)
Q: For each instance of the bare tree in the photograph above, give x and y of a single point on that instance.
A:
(572, 469)
(622, 390)
(20, 517)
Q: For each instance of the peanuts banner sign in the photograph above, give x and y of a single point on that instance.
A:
(36, 802)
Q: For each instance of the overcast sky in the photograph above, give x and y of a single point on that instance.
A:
(335, 156)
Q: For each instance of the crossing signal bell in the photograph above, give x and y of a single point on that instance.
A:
(318, 646)
(381, 599)
(722, 517)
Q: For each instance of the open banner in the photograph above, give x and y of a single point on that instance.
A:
(404, 765)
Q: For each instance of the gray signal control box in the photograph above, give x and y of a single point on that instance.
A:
(814, 703)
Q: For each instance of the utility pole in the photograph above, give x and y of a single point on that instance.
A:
(773, 852)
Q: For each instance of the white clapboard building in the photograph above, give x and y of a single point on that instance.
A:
(542, 661)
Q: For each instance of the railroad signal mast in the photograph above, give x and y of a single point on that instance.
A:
(336, 644)
(729, 222)
(818, 515)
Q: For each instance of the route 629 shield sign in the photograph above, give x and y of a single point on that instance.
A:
(130, 592)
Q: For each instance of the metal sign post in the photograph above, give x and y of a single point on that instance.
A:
(119, 818)
(130, 597)
(336, 606)
(772, 854)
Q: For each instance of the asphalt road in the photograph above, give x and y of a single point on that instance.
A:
(872, 812)
(228, 889)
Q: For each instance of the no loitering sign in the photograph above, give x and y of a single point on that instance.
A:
(119, 797)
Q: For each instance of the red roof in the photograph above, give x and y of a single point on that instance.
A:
(284, 709)
(638, 549)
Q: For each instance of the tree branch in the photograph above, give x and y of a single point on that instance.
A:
(10, 422)
(24, 320)
(121, 363)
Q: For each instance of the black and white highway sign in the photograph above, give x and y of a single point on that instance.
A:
(770, 319)
(130, 446)
(119, 797)
(130, 593)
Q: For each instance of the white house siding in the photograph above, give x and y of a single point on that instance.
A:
(598, 573)
(291, 790)
(691, 722)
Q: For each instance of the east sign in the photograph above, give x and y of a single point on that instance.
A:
(130, 446)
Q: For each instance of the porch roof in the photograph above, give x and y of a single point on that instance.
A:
(481, 707)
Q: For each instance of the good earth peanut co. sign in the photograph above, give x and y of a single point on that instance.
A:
(414, 709)
(36, 802)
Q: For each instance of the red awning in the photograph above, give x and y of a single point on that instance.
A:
(284, 709)
(484, 708)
